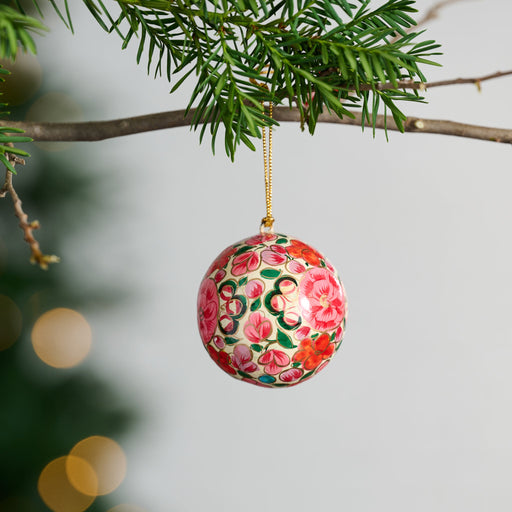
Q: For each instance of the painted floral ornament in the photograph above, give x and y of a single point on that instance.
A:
(271, 310)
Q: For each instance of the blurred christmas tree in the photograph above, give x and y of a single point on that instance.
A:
(45, 411)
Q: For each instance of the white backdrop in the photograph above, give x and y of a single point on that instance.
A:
(414, 413)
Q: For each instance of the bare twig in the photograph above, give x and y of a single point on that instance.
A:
(43, 260)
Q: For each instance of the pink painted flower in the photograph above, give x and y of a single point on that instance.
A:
(254, 288)
(302, 333)
(274, 361)
(207, 309)
(242, 359)
(221, 259)
(274, 255)
(295, 267)
(245, 262)
(339, 334)
(257, 328)
(291, 375)
(260, 239)
(322, 299)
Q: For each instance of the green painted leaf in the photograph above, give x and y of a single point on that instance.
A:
(256, 305)
(243, 249)
(270, 273)
(284, 340)
(243, 374)
(256, 347)
(296, 365)
(307, 375)
(281, 240)
(242, 281)
(230, 340)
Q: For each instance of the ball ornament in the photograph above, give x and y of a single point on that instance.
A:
(271, 310)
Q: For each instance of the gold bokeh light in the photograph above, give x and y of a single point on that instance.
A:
(61, 338)
(10, 322)
(106, 458)
(126, 507)
(56, 489)
(54, 107)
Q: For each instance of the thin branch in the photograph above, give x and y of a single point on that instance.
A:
(430, 15)
(437, 126)
(433, 12)
(440, 83)
(43, 260)
(102, 130)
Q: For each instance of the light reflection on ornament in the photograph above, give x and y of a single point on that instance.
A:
(61, 338)
(56, 490)
(277, 314)
(10, 322)
(106, 458)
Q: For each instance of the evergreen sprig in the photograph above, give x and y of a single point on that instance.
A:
(8, 135)
(15, 31)
(315, 54)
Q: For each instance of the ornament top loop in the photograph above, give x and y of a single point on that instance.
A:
(267, 225)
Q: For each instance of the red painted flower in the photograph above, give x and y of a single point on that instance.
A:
(299, 249)
(245, 262)
(257, 328)
(274, 361)
(260, 239)
(222, 359)
(221, 259)
(312, 353)
(322, 300)
(207, 309)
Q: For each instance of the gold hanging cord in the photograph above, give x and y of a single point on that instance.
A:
(267, 221)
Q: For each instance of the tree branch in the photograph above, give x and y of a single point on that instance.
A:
(102, 130)
(43, 260)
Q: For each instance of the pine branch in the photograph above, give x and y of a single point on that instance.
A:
(319, 54)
